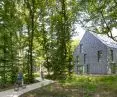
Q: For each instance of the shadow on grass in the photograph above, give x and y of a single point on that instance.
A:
(79, 86)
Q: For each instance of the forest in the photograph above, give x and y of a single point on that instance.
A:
(39, 32)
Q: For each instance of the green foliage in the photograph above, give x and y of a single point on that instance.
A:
(79, 86)
(34, 33)
(74, 44)
(9, 25)
(92, 84)
(99, 16)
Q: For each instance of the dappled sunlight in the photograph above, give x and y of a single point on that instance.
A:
(21, 91)
(80, 86)
(12, 96)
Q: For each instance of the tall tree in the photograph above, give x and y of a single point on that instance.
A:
(9, 25)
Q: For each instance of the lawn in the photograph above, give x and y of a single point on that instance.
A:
(79, 86)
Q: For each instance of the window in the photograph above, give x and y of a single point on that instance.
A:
(87, 68)
(81, 48)
(111, 55)
(99, 55)
(85, 56)
(77, 59)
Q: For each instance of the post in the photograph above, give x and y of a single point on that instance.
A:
(41, 73)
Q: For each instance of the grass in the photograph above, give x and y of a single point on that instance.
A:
(94, 86)
(79, 86)
(6, 87)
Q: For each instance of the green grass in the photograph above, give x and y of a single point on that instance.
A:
(79, 86)
(101, 85)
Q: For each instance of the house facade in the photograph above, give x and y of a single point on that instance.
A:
(95, 55)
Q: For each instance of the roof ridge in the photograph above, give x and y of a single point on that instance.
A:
(105, 39)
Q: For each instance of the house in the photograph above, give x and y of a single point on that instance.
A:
(96, 54)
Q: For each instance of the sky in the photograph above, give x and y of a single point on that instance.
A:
(81, 32)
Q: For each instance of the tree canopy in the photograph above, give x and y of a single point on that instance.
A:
(99, 16)
(34, 32)
(39, 32)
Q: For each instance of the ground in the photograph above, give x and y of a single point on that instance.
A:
(7, 87)
(79, 86)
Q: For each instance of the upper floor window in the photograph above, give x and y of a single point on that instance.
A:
(99, 55)
(111, 55)
(85, 56)
(81, 48)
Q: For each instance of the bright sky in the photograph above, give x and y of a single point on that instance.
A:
(81, 32)
(114, 32)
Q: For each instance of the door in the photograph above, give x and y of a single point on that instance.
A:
(80, 69)
(113, 68)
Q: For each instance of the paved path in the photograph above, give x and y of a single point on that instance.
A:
(12, 93)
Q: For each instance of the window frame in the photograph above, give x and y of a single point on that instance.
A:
(81, 48)
(99, 54)
(77, 59)
(111, 55)
(87, 68)
(85, 56)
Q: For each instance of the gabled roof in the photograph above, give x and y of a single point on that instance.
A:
(105, 40)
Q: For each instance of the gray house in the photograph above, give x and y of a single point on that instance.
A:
(95, 55)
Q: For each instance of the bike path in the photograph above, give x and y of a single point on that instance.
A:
(12, 93)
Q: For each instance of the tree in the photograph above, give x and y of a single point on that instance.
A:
(9, 25)
(38, 30)
(99, 16)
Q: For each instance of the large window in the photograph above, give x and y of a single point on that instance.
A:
(99, 53)
(111, 55)
(81, 48)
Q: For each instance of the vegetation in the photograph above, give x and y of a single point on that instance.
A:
(99, 16)
(79, 86)
(39, 32)
(33, 33)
